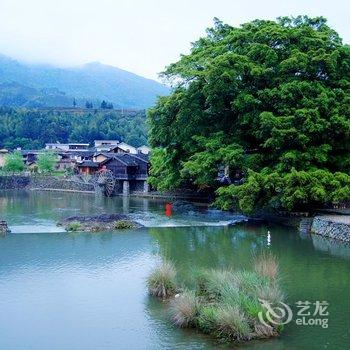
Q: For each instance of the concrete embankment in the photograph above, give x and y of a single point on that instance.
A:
(332, 226)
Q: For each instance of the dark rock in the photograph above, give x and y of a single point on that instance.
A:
(98, 223)
(4, 228)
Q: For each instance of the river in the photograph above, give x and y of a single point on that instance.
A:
(82, 291)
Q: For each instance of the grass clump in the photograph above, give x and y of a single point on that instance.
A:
(74, 226)
(266, 265)
(207, 317)
(223, 303)
(123, 224)
(231, 324)
(184, 309)
(162, 281)
(212, 283)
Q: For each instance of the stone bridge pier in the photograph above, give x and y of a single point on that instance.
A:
(126, 188)
(129, 186)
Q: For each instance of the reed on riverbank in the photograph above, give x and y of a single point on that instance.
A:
(223, 303)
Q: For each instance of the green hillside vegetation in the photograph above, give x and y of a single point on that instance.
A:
(31, 129)
(43, 85)
(18, 95)
(270, 100)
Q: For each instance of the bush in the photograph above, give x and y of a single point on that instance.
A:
(184, 309)
(123, 224)
(47, 162)
(162, 281)
(14, 162)
(73, 226)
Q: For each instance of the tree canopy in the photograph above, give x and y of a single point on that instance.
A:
(32, 128)
(14, 162)
(47, 162)
(270, 100)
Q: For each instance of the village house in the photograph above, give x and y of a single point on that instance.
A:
(67, 146)
(143, 149)
(105, 145)
(88, 167)
(123, 147)
(30, 157)
(99, 157)
(129, 165)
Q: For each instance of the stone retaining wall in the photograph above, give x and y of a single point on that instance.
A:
(332, 227)
(55, 183)
(43, 183)
(14, 182)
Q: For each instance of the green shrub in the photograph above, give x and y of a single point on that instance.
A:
(123, 224)
(73, 226)
(162, 281)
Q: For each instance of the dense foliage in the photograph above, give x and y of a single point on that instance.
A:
(47, 162)
(31, 129)
(14, 162)
(269, 100)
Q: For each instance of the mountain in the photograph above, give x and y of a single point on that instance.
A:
(37, 85)
(18, 95)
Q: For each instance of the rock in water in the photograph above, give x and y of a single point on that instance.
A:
(4, 229)
(98, 223)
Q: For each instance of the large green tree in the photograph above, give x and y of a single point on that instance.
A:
(14, 162)
(47, 162)
(269, 99)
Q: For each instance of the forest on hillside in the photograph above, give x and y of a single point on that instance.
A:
(270, 102)
(32, 128)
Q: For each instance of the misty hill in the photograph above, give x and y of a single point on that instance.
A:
(18, 95)
(37, 85)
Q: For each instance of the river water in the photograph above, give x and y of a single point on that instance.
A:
(82, 291)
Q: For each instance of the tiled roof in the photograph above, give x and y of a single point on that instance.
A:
(88, 163)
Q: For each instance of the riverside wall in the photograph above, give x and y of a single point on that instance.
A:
(332, 226)
(17, 182)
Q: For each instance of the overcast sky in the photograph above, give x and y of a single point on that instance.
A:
(142, 36)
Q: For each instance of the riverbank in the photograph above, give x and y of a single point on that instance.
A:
(330, 225)
(44, 183)
(78, 185)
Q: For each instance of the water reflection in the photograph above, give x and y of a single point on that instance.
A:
(332, 247)
(87, 291)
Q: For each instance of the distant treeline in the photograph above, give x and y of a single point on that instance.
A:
(31, 129)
